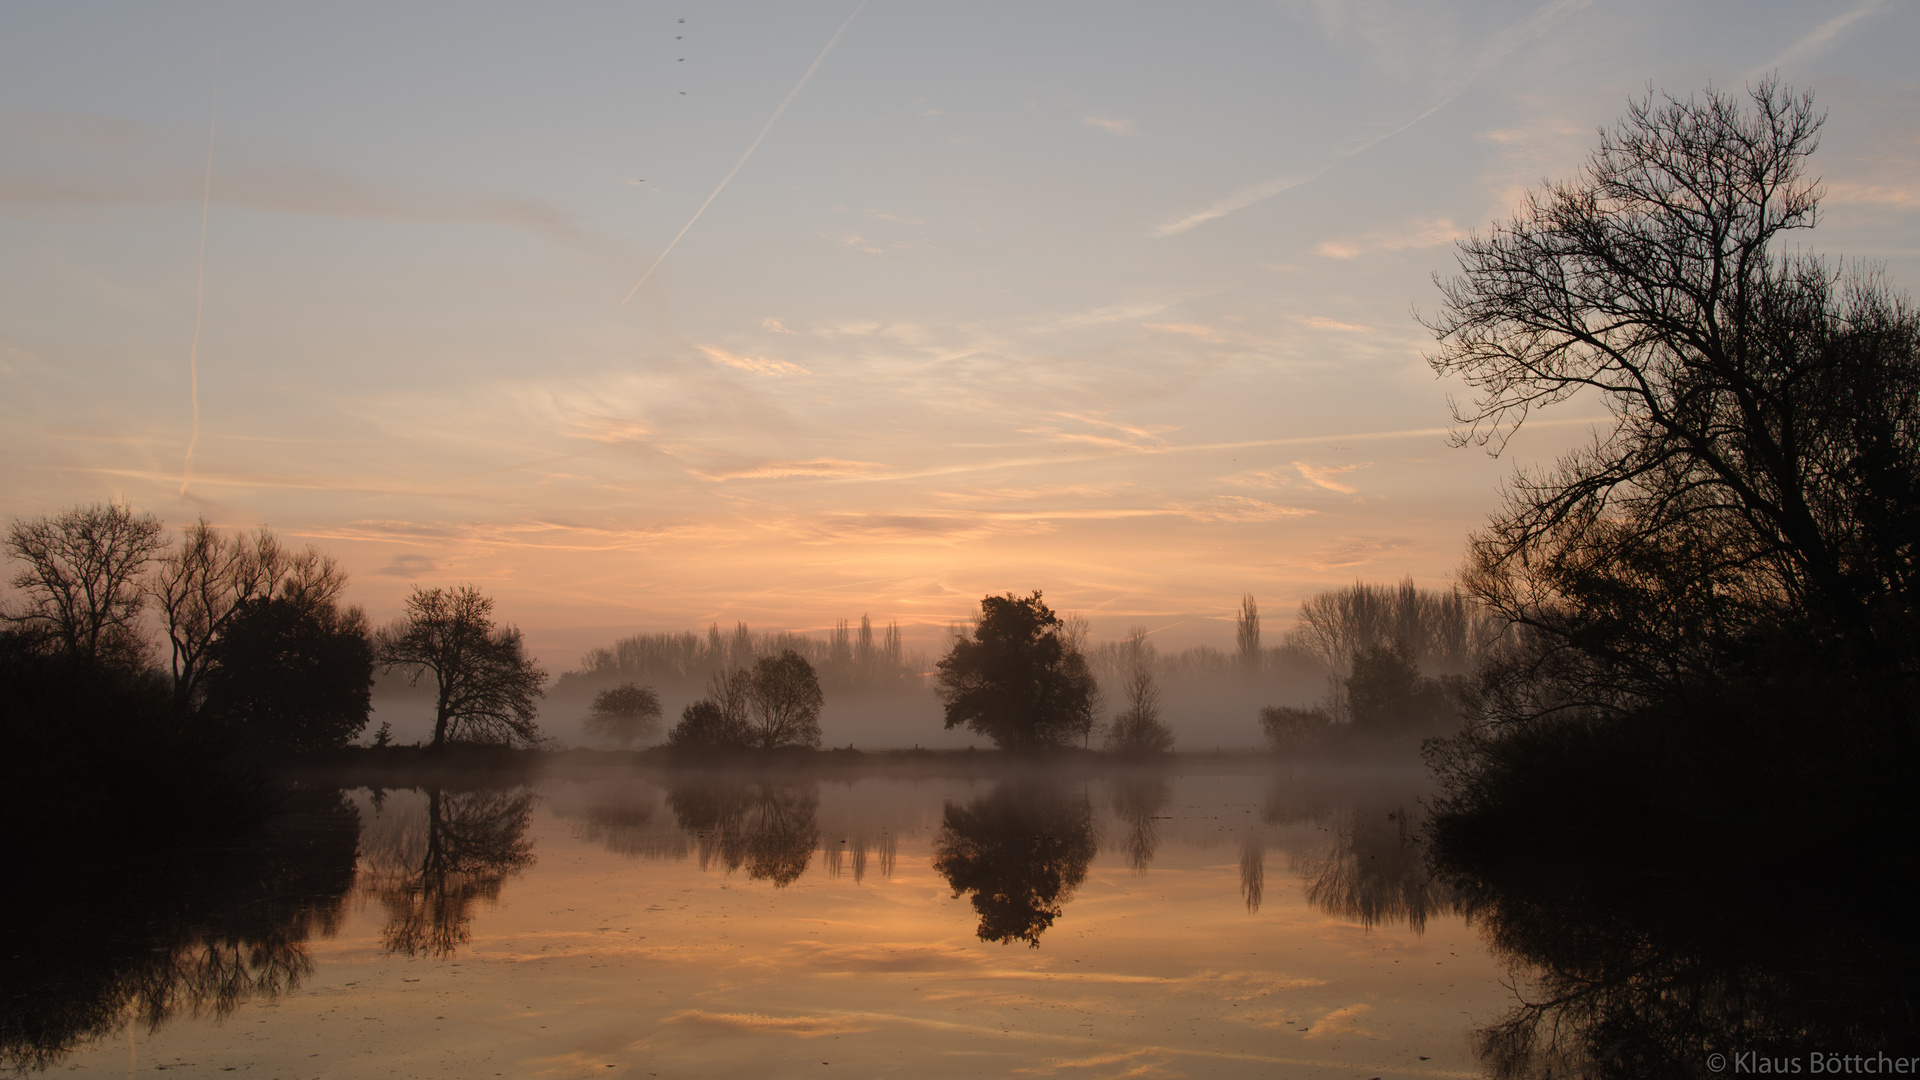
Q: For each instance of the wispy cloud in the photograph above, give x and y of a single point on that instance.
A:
(1192, 330)
(855, 242)
(759, 365)
(1321, 322)
(977, 495)
(1351, 551)
(96, 160)
(610, 429)
(1417, 234)
(408, 566)
(1232, 508)
(1150, 432)
(1256, 478)
(1903, 196)
(1112, 125)
(1820, 37)
(1496, 51)
(774, 470)
(1324, 476)
(1122, 312)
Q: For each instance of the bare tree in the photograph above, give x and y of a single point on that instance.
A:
(1762, 465)
(202, 582)
(1438, 629)
(1246, 633)
(198, 585)
(1138, 728)
(785, 699)
(82, 579)
(485, 684)
(720, 720)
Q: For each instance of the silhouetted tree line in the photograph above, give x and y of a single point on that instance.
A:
(775, 705)
(1113, 661)
(853, 659)
(1398, 659)
(158, 671)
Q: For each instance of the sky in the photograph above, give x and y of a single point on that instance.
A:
(646, 316)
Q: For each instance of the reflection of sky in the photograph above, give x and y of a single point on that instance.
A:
(1110, 301)
(599, 963)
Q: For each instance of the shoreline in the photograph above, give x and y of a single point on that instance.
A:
(405, 766)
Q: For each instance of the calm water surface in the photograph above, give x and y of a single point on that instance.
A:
(1203, 921)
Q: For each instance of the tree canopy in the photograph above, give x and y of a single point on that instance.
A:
(485, 685)
(1018, 678)
(291, 675)
(785, 702)
(81, 583)
(1760, 484)
(774, 704)
(624, 713)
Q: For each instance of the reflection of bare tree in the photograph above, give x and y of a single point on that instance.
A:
(196, 934)
(627, 825)
(1375, 870)
(431, 873)
(1021, 852)
(1253, 870)
(851, 853)
(1137, 799)
(769, 828)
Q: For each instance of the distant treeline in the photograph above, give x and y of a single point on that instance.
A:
(1393, 657)
(849, 658)
(1398, 660)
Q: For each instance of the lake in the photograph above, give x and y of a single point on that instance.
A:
(1221, 916)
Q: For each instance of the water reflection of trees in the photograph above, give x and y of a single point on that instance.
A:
(429, 868)
(1372, 867)
(1253, 870)
(1021, 852)
(768, 828)
(1373, 870)
(92, 947)
(1644, 975)
(1137, 801)
(851, 853)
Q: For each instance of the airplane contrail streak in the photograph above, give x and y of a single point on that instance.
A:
(751, 147)
(200, 287)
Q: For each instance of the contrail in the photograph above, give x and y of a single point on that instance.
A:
(1495, 52)
(200, 286)
(815, 66)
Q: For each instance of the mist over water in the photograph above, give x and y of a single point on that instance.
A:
(618, 921)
